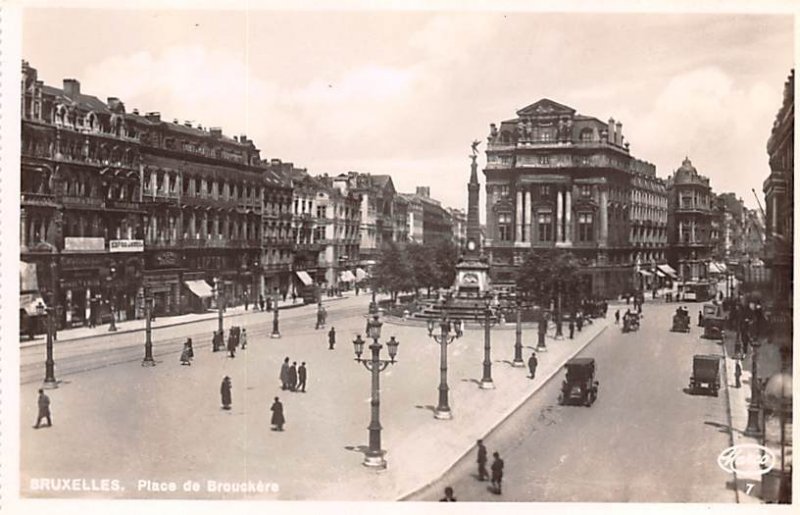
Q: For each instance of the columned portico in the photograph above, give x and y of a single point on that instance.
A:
(559, 217)
(528, 218)
(603, 217)
(568, 217)
(518, 220)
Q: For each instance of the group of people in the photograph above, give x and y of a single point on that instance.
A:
(292, 377)
(187, 354)
(277, 421)
(496, 468)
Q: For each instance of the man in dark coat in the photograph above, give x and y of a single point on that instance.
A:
(497, 473)
(225, 392)
(482, 473)
(190, 348)
(448, 495)
(532, 364)
(278, 419)
(331, 338)
(292, 376)
(232, 344)
(44, 409)
(738, 374)
(285, 374)
(302, 373)
(572, 326)
(261, 302)
(616, 317)
(580, 321)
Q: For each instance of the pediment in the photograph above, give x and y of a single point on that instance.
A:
(546, 106)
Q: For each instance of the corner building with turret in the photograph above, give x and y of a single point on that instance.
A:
(556, 178)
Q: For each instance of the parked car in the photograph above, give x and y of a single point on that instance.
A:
(705, 374)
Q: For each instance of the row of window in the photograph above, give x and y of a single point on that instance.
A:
(545, 227)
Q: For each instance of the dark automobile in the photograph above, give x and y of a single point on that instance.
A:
(681, 323)
(630, 322)
(705, 374)
(713, 321)
(579, 387)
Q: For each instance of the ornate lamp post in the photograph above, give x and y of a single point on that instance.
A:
(518, 362)
(374, 455)
(49, 363)
(486, 381)
(148, 360)
(444, 338)
(754, 408)
(559, 319)
(276, 332)
(112, 326)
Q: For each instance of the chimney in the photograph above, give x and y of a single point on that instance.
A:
(216, 132)
(72, 88)
(424, 191)
(236, 139)
(619, 133)
(243, 139)
(187, 123)
(175, 121)
(135, 111)
(612, 138)
(154, 117)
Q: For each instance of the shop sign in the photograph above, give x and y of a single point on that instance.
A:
(126, 246)
(76, 244)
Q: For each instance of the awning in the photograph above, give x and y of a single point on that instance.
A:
(723, 267)
(645, 273)
(27, 277)
(668, 270)
(361, 274)
(347, 276)
(30, 302)
(714, 268)
(200, 288)
(660, 273)
(304, 277)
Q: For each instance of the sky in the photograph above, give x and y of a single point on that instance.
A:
(405, 93)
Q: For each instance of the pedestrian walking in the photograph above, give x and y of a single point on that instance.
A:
(225, 393)
(244, 338)
(700, 318)
(572, 327)
(331, 338)
(448, 495)
(580, 322)
(497, 473)
(533, 362)
(738, 374)
(185, 358)
(302, 374)
(231, 344)
(616, 317)
(293, 376)
(285, 374)
(188, 345)
(278, 420)
(261, 302)
(44, 409)
(294, 297)
(246, 301)
(482, 459)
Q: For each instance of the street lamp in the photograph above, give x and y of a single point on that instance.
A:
(112, 326)
(373, 306)
(486, 382)
(148, 360)
(518, 362)
(754, 407)
(778, 398)
(374, 456)
(276, 332)
(218, 295)
(559, 333)
(445, 338)
(49, 364)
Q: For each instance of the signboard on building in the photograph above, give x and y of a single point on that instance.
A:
(75, 244)
(126, 246)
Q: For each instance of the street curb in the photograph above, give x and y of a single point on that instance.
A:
(24, 345)
(505, 417)
(729, 412)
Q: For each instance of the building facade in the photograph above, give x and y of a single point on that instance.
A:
(428, 221)
(340, 214)
(555, 178)
(308, 230)
(378, 222)
(648, 237)
(458, 222)
(277, 241)
(81, 218)
(691, 242)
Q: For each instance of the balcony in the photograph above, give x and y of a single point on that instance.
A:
(163, 244)
(38, 199)
(123, 205)
(70, 201)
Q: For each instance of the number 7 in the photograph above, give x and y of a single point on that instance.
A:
(749, 488)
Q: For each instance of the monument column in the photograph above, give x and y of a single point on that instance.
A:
(518, 220)
(568, 216)
(559, 216)
(603, 217)
(528, 214)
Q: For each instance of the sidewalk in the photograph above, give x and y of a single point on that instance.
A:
(131, 326)
(769, 362)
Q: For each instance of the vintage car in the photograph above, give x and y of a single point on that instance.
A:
(630, 322)
(681, 323)
(705, 374)
(713, 321)
(579, 387)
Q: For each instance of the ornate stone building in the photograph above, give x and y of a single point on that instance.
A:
(691, 241)
(277, 242)
(556, 178)
(428, 221)
(81, 219)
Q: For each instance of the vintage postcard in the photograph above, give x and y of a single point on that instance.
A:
(413, 253)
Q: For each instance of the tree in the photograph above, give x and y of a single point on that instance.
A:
(394, 272)
(545, 272)
(444, 257)
(422, 261)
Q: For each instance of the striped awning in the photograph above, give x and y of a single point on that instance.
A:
(304, 277)
(347, 276)
(668, 270)
(200, 288)
(645, 273)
